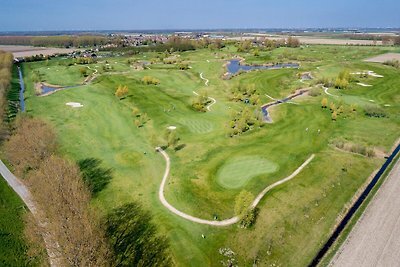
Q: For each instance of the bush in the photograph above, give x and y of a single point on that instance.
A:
(150, 80)
(394, 63)
(248, 218)
(314, 92)
(374, 111)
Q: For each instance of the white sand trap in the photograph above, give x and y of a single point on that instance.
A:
(371, 100)
(369, 72)
(373, 74)
(74, 104)
(171, 127)
(364, 85)
(387, 105)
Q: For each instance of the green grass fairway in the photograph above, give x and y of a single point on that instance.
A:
(235, 173)
(210, 169)
(197, 125)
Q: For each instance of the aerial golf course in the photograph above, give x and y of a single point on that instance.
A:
(214, 159)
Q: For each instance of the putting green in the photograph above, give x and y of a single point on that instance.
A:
(199, 126)
(236, 172)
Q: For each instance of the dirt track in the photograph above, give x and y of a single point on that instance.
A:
(375, 239)
(383, 58)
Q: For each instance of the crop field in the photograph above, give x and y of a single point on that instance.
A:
(210, 166)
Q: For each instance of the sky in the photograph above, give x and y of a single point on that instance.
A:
(42, 15)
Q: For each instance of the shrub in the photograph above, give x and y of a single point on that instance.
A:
(394, 63)
(150, 80)
(248, 218)
(314, 92)
(374, 111)
(121, 91)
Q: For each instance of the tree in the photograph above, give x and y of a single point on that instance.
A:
(134, 238)
(324, 102)
(243, 202)
(83, 72)
(137, 123)
(122, 91)
(171, 138)
(61, 194)
(256, 52)
(292, 42)
(135, 112)
(334, 115)
(332, 106)
(31, 143)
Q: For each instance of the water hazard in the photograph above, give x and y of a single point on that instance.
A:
(234, 66)
(21, 91)
(265, 107)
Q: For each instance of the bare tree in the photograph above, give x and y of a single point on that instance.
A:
(32, 141)
(62, 195)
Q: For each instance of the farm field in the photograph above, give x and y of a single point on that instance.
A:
(20, 51)
(209, 168)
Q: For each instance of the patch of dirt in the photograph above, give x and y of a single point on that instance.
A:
(384, 57)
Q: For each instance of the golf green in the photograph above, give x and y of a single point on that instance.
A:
(236, 172)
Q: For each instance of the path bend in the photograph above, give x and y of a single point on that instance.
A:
(206, 81)
(225, 222)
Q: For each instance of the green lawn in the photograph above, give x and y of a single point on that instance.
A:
(211, 169)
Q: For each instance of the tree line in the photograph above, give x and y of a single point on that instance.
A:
(6, 61)
(63, 189)
(56, 41)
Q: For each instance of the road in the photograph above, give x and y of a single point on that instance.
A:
(226, 222)
(26, 197)
(375, 239)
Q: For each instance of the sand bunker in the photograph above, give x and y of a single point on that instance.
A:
(364, 85)
(74, 104)
(171, 127)
(368, 72)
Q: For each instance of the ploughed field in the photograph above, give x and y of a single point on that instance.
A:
(209, 168)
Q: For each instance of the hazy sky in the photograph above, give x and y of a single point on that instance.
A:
(195, 14)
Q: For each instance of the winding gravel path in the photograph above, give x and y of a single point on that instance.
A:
(206, 81)
(211, 98)
(326, 92)
(226, 222)
(23, 192)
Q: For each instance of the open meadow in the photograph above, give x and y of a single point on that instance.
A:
(218, 155)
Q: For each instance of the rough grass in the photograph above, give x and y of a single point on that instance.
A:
(236, 172)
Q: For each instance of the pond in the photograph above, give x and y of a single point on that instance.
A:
(265, 107)
(234, 66)
(47, 89)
